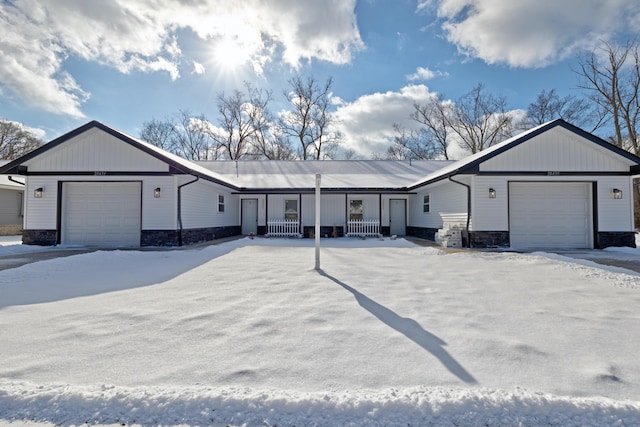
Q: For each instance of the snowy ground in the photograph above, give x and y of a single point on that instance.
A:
(387, 333)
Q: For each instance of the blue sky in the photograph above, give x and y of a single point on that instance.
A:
(65, 62)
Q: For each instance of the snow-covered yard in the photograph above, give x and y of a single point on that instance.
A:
(387, 333)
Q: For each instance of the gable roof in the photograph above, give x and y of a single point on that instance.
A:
(472, 163)
(283, 175)
(177, 164)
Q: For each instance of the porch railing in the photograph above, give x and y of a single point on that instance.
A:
(283, 228)
(363, 227)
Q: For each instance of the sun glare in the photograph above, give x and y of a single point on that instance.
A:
(230, 54)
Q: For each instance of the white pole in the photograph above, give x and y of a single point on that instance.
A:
(317, 233)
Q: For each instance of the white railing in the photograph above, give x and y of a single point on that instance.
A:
(363, 227)
(283, 228)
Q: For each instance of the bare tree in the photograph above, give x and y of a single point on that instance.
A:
(612, 77)
(310, 121)
(435, 117)
(479, 120)
(412, 144)
(186, 136)
(160, 133)
(550, 106)
(244, 123)
(15, 140)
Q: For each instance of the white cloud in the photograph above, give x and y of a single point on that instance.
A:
(425, 74)
(531, 33)
(198, 68)
(37, 37)
(367, 122)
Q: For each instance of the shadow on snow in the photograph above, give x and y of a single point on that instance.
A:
(410, 329)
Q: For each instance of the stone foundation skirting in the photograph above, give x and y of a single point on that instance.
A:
(616, 238)
(325, 230)
(159, 238)
(199, 235)
(10, 229)
(422, 232)
(40, 237)
(489, 239)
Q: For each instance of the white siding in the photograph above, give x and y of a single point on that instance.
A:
(370, 205)
(261, 207)
(41, 213)
(446, 197)
(157, 214)
(200, 205)
(96, 150)
(10, 207)
(557, 150)
(275, 208)
(493, 214)
(615, 214)
(332, 209)
(384, 221)
(490, 214)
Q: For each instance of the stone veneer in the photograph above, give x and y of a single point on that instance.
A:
(198, 235)
(325, 230)
(616, 238)
(422, 232)
(40, 237)
(489, 239)
(159, 238)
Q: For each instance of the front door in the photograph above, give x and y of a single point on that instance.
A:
(398, 217)
(249, 216)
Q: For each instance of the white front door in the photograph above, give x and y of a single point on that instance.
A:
(398, 217)
(550, 215)
(249, 216)
(103, 214)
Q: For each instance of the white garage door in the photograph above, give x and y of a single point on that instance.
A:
(550, 215)
(101, 214)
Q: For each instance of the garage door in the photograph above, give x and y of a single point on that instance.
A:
(101, 214)
(550, 215)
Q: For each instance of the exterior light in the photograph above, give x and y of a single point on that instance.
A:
(38, 192)
(617, 193)
(156, 193)
(492, 193)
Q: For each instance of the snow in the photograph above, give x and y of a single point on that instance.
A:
(387, 333)
(335, 173)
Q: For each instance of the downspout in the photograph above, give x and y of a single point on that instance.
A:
(468, 207)
(180, 208)
(13, 180)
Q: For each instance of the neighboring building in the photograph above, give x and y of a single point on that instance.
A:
(554, 186)
(11, 204)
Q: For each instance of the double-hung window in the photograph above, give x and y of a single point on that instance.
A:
(426, 203)
(291, 210)
(220, 203)
(356, 210)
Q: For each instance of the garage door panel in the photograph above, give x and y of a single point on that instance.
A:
(101, 214)
(550, 215)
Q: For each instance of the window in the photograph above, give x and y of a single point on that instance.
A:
(426, 203)
(291, 210)
(220, 203)
(355, 210)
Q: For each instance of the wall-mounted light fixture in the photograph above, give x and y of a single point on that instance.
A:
(156, 193)
(38, 192)
(616, 193)
(492, 193)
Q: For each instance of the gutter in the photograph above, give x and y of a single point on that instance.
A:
(450, 177)
(180, 207)
(13, 180)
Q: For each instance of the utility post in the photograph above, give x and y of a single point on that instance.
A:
(317, 233)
